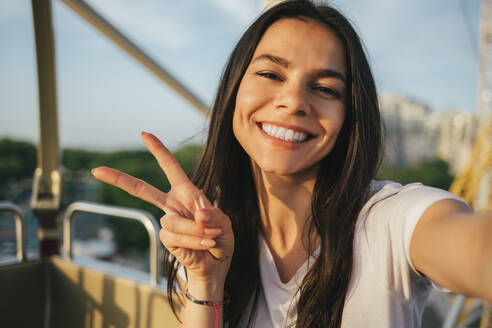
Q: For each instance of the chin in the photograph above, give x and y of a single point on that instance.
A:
(286, 169)
(280, 171)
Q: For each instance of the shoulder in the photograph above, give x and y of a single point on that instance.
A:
(385, 228)
(389, 198)
(394, 210)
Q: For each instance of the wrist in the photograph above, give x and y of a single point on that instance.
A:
(208, 303)
(206, 289)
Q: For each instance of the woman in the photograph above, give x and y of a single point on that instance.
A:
(283, 216)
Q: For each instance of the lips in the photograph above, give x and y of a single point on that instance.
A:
(284, 133)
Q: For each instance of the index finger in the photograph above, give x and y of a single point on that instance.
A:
(132, 185)
(166, 160)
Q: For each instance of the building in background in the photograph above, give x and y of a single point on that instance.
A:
(415, 133)
(409, 138)
(456, 133)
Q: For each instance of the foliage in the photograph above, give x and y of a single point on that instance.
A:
(79, 159)
(17, 164)
(17, 160)
(188, 157)
(138, 163)
(432, 172)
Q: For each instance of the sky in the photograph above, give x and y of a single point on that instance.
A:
(426, 50)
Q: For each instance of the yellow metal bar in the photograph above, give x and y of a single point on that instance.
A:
(46, 191)
(466, 183)
(47, 171)
(474, 183)
(99, 22)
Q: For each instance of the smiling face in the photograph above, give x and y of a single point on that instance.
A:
(290, 105)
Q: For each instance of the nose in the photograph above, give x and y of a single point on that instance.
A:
(292, 98)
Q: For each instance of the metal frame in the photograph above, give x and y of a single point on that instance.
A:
(143, 217)
(20, 231)
(47, 180)
(47, 177)
(91, 16)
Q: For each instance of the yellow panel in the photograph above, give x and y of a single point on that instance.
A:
(97, 300)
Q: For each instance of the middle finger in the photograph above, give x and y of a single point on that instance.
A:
(174, 172)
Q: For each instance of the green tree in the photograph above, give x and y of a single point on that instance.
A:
(17, 163)
(188, 157)
(17, 160)
(142, 165)
(80, 160)
(432, 172)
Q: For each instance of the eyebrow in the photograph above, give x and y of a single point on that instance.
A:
(285, 63)
(278, 60)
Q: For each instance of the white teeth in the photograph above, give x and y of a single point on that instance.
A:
(289, 134)
(283, 133)
(280, 133)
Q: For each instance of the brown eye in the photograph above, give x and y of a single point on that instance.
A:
(269, 75)
(328, 91)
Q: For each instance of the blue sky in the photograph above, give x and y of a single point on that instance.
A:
(420, 48)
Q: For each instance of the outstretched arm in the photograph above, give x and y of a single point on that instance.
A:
(453, 247)
(197, 233)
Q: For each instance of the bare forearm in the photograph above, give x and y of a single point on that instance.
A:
(484, 277)
(476, 266)
(453, 247)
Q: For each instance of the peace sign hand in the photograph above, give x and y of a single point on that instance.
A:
(197, 233)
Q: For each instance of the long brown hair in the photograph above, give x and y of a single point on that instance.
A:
(342, 183)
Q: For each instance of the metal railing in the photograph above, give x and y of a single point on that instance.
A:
(20, 230)
(143, 217)
(46, 196)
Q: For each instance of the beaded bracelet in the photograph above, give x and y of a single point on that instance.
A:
(215, 305)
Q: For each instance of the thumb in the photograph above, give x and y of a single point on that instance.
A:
(212, 217)
(201, 201)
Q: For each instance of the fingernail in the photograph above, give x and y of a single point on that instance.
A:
(92, 171)
(197, 203)
(202, 202)
(208, 242)
(214, 231)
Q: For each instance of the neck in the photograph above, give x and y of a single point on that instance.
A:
(285, 206)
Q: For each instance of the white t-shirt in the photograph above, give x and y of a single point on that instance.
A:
(385, 289)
